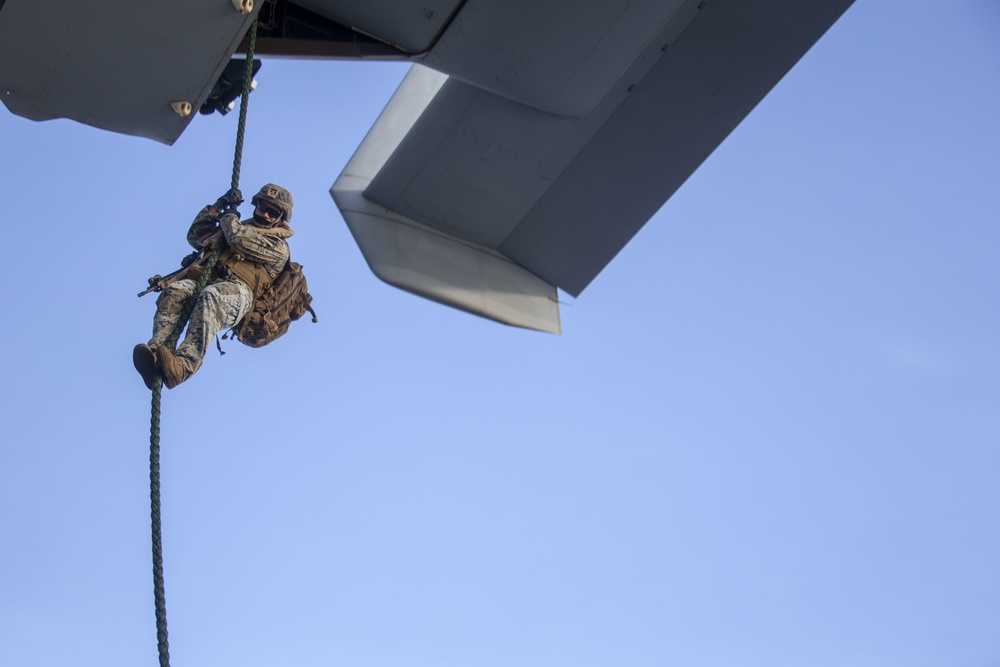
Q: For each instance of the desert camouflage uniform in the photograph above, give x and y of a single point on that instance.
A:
(223, 303)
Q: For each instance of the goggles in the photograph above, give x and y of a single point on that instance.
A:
(269, 209)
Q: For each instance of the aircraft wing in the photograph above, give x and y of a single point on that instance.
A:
(536, 138)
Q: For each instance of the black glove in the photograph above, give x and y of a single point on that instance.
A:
(232, 210)
(188, 260)
(232, 198)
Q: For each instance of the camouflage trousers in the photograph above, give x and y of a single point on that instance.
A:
(220, 306)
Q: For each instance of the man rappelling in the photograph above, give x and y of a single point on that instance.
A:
(254, 253)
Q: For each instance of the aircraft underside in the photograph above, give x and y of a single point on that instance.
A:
(527, 146)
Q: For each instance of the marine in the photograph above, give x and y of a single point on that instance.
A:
(255, 252)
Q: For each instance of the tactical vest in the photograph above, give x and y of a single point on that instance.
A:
(252, 274)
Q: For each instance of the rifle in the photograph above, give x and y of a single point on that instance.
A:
(158, 282)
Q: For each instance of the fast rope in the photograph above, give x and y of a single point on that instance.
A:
(159, 595)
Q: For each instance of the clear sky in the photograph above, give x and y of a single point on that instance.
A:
(768, 436)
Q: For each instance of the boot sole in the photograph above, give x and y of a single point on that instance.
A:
(145, 362)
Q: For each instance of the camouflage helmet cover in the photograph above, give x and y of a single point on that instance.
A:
(278, 196)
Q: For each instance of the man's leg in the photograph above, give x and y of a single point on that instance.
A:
(169, 305)
(220, 306)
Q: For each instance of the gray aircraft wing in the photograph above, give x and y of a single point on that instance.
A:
(535, 138)
(529, 143)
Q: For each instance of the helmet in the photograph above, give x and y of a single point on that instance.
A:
(278, 196)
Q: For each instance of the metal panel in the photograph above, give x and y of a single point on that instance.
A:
(561, 196)
(422, 260)
(412, 27)
(115, 64)
(559, 56)
(475, 164)
(728, 59)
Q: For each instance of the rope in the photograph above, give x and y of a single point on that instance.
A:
(244, 98)
(159, 595)
(159, 592)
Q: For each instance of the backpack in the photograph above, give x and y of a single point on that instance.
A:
(286, 300)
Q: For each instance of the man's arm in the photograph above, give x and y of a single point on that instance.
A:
(206, 223)
(204, 227)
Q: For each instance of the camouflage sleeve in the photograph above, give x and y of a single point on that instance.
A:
(204, 227)
(265, 249)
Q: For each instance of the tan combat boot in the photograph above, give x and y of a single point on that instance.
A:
(171, 367)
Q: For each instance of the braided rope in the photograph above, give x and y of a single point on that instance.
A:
(159, 594)
(244, 99)
(159, 590)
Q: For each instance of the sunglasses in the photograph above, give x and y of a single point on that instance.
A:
(269, 209)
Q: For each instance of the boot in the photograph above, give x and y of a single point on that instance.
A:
(171, 368)
(145, 361)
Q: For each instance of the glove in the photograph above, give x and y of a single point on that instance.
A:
(231, 199)
(232, 210)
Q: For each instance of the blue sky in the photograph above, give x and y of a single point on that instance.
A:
(767, 436)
